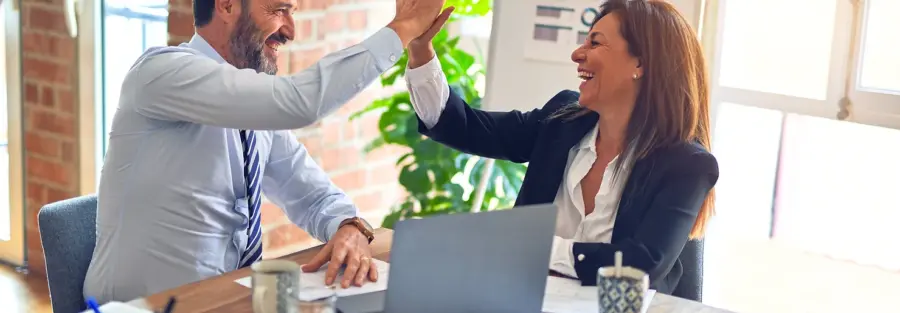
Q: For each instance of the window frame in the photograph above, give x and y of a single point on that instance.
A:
(867, 107)
(92, 113)
(90, 108)
(828, 108)
(844, 100)
(13, 250)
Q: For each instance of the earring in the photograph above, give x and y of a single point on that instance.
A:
(634, 76)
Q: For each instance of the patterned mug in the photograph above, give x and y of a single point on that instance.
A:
(623, 292)
(275, 284)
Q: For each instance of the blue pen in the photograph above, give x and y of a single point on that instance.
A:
(91, 303)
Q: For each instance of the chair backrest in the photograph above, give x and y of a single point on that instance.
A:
(68, 234)
(690, 286)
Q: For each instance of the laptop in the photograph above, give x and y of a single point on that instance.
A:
(494, 261)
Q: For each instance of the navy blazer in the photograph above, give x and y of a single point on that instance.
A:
(659, 204)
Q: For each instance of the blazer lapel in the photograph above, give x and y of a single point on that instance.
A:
(546, 172)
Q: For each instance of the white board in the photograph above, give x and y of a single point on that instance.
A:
(524, 72)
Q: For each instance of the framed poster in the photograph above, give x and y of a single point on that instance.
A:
(558, 27)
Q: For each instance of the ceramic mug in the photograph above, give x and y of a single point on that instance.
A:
(275, 283)
(623, 292)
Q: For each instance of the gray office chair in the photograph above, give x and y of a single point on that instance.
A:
(68, 234)
(690, 286)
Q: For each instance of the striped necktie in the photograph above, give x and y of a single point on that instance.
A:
(253, 252)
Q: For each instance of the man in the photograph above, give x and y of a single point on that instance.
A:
(202, 131)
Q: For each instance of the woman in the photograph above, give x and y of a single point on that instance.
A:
(626, 160)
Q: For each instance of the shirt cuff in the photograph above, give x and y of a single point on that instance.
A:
(335, 223)
(385, 44)
(561, 258)
(425, 74)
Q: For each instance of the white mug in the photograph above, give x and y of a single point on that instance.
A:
(275, 284)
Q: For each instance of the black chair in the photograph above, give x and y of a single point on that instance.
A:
(690, 286)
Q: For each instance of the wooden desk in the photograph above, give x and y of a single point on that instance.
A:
(222, 295)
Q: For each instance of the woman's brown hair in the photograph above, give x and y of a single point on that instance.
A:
(672, 106)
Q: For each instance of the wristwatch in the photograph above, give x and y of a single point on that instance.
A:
(362, 225)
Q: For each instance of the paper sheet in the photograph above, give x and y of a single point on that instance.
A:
(119, 307)
(313, 284)
(568, 296)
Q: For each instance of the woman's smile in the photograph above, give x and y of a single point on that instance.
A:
(585, 76)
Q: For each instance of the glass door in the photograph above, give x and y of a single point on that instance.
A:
(12, 222)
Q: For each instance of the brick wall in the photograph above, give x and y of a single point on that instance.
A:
(337, 145)
(49, 83)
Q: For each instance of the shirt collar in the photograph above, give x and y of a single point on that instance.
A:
(198, 43)
(589, 140)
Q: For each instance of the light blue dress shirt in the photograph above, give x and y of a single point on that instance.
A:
(172, 198)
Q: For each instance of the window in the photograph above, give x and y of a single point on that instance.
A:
(805, 108)
(114, 33)
(875, 80)
(129, 28)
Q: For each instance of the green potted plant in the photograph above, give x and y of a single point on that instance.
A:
(438, 179)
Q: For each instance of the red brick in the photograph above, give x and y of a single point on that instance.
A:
(387, 152)
(313, 146)
(357, 103)
(47, 170)
(68, 153)
(351, 180)
(381, 175)
(56, 194)
(321, 28)
(181, 24)
(357, 20)
(47, 96)
(46, 71)
(340, 158)
(283, 236)
(331, 131)
(65, 100)
(312, 5)
(47, 18)
(52, 122)
(32, 94)
(41, 43)
(31, 220)
(335, 21)
(43, 145)
(180, 4)
(271, 214)
(49, 69)
(283, 62)
(35, 192)
(370, 201)
(304, 30)
(350, 130)
(368, 127)
(302, 59)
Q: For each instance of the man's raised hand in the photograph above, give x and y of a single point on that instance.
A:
(414, 17)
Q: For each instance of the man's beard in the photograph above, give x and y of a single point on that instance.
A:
(247, 44)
